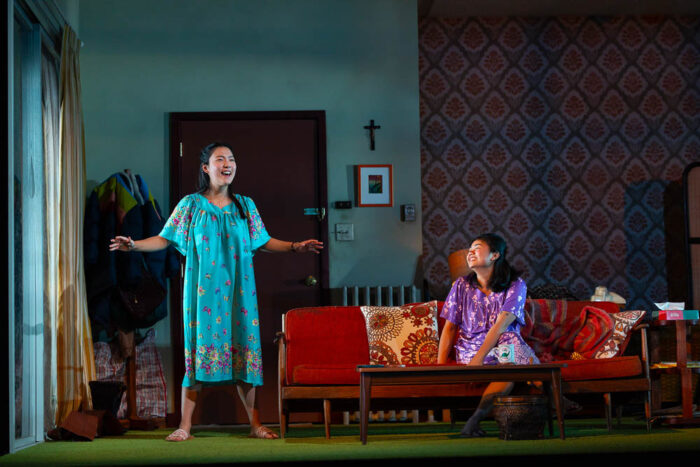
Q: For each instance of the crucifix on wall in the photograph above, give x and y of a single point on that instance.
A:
(371, 127)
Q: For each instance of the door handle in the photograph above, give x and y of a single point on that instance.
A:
(320, 213)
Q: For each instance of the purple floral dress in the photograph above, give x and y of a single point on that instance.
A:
(220, 307)
(474, 313)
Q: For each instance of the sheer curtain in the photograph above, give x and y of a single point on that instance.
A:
(74, 352)
(52, 181)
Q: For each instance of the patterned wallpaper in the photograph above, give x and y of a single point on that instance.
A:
(563, 135)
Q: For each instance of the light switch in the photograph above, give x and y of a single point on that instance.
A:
(408, 213)
(344, 232)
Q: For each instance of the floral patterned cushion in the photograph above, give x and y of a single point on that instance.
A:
(402, 335)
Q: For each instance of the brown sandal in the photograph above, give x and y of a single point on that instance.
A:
(568, 406)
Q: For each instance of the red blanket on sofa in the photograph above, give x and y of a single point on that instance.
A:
(557, 328)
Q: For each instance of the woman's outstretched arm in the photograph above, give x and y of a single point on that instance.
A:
(502, 322)
(280, 246)
(146, 245)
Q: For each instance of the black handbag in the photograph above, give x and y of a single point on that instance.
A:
(143, 298)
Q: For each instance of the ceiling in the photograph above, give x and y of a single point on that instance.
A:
(464, 8)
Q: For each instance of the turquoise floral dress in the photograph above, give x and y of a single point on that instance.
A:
(220, 309)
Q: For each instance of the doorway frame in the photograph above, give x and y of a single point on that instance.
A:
(176, 329)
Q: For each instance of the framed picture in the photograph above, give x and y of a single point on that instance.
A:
(375, 186)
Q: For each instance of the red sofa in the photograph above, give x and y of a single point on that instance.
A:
(319, 349)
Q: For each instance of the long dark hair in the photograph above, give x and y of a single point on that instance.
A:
(203, 180)
(503, 273)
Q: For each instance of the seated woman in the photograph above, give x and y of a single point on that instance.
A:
(482, 311)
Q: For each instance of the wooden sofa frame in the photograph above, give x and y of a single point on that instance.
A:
(607, 387)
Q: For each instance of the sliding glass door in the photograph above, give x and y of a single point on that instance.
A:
(27, 234)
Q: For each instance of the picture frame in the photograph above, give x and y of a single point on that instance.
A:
(375, 185)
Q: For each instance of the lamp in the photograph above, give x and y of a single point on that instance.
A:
(457, 262)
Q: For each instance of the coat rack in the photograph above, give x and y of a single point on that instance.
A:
(133, 421)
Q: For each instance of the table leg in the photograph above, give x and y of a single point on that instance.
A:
(556, 390)
(327, 417)
(682, 352)
(548, 390)
(365, 394)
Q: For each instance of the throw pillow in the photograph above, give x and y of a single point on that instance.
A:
(623, 321)
(402, 335)
(590, 332)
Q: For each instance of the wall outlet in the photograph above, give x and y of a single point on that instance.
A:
(344, 232)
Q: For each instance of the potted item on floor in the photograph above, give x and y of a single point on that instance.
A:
(521, 417)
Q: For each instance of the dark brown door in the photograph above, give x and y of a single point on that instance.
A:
(280, 159)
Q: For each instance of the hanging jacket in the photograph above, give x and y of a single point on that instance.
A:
(121, 205)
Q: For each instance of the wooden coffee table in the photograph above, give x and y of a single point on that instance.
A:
(549, 374)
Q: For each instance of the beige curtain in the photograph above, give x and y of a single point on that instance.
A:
(75, 360)
(52, 182)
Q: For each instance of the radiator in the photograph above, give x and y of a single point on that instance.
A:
(380, 295)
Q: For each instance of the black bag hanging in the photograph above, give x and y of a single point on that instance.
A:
(143, 298)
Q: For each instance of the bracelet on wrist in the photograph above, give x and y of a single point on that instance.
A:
(292, 247)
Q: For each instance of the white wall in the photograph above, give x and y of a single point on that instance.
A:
(355, 59)
(70, 9)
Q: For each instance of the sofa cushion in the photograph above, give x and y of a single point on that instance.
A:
(617, 367)
(330, 335)
(319, 374)
(402, 335)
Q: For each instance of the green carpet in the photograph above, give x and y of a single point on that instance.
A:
(385, 441)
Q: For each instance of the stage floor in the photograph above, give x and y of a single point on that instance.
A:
(391, 443)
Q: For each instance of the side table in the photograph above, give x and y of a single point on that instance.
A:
(682, 366)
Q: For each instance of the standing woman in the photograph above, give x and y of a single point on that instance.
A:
(218, 232)
(483, 310)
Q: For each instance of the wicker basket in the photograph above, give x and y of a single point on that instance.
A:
(521, 417)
